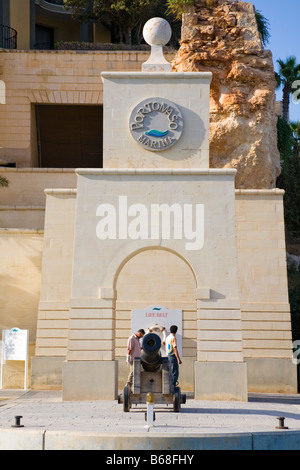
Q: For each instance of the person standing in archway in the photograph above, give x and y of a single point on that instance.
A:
(173, 354)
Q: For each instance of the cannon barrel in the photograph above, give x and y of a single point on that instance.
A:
(151, 356)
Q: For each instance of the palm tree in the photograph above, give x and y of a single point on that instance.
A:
(289, 72)
(295, 126)
(263, 25)
(3, 181)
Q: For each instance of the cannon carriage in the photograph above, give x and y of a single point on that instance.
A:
(152, 374)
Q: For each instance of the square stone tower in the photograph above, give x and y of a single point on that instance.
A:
(156, 158)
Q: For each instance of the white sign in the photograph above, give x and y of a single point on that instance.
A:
(14, 348)
(155, 318)
(14, 344)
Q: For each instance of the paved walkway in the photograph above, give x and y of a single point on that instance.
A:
(200, 423)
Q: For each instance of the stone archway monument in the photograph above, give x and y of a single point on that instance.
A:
(156, 190)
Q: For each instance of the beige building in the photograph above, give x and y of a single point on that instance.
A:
(40, 24)
(74, 291)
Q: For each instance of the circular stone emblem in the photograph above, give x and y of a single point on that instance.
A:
(156, 124)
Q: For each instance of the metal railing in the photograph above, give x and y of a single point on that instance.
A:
(50, 4)
(43, 46)
(8, 37)
(56, 2)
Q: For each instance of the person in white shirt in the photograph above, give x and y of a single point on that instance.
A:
(172, 353)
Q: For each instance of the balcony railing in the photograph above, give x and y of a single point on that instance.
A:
(8, 37)
(56, 6)
(56, 2)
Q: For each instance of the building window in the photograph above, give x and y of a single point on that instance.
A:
(44, 37)
(70, 136)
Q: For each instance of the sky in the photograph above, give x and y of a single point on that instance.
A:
(284, 18)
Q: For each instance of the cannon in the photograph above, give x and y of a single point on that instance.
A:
(151, 374)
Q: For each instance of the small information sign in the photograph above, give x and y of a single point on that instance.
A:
(15, 348)
(156, 317)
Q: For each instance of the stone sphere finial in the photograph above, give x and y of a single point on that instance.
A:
(157, 32)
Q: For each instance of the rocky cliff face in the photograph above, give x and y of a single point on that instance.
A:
(222, 36)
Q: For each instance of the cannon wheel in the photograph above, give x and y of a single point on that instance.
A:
(126, 399)
(176, 400)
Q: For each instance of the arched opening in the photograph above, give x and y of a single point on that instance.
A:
(157, 276)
